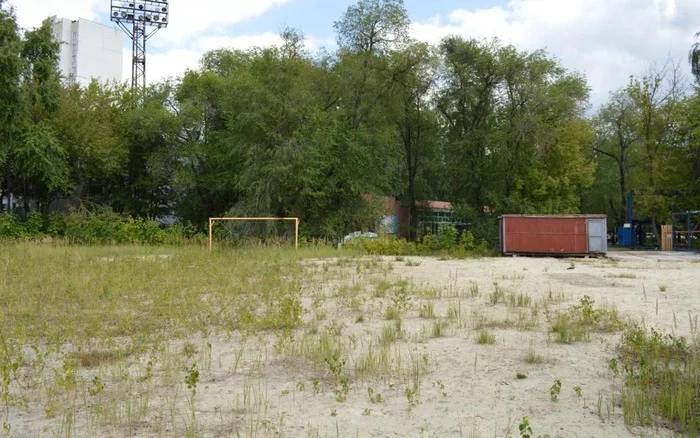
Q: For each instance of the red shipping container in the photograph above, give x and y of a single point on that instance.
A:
(553, 234)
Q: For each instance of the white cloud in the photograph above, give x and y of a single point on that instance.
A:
(30, 13)
(174, 62)
(607, 40)
(196, 26)
(187, 17)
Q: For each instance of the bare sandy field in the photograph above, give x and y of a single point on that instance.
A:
(352, 370)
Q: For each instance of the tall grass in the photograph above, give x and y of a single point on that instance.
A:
(582, 319)
(662, 375)
(84, 327)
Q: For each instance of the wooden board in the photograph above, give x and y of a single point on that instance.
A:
(666, 238)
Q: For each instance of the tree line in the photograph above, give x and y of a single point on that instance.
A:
(282, 131)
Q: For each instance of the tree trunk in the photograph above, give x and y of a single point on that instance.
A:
(410, 170)
(412, 209)
(623, 187)
(8, 188)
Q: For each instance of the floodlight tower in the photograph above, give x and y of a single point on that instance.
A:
(140, 20)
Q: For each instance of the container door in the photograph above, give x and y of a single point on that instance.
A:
(597, 239)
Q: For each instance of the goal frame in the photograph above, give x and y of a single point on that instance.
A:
(212, 220)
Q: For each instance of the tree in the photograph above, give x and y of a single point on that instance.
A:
(410, 111)
(373, 26)
(36, 163)
(515, 129)
(694, 59)
(656, 95)
(466, 102)
(269, 137)
(90, 125)
(10, 96)
(150, 131)
(617, 138)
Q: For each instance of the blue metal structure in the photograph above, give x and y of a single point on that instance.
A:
(633, 234)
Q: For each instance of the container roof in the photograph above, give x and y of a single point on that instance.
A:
(556, 216)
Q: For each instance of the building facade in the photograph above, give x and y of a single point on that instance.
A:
(433, 216)
(88, 51)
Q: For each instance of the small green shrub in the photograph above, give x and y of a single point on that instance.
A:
(97, 227)
(662, 376)
(448, 243)
(485, 338)
(582, 319)
(555, 390)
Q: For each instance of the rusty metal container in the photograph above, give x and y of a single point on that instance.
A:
(560, 235)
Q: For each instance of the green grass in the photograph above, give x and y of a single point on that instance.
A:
(390, 333)
(439, 328)
(427, 310)
(519, 300)
(135, 291)
(533, 357)
(484, 337)
(582, 319)
(498, 295)
(662, 374)
(86, 328)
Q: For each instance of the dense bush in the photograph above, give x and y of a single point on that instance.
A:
(448, 242)
(93, 228)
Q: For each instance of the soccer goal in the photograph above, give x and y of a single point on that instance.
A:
(214, 220)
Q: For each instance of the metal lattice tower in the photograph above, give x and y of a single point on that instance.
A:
(140, 20)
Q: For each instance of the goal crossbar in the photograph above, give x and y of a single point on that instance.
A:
(231, 219)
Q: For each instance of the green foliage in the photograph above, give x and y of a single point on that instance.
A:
(192, 378)
(93, 228)
(335, 366)
(525, 429)
(447, 243)
(372, 26)
(582, 319)
(662, 375)
(485, 338)
(280, 131)
(492, 163)
(555, 390)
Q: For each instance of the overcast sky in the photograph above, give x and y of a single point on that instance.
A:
(607, 40)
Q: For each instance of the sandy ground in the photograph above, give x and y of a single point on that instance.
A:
(470, 390)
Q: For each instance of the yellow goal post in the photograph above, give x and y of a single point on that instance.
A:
(212, 220)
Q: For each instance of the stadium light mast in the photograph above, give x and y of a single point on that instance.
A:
(140, 20)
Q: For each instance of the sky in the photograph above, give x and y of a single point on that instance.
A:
(606, 40)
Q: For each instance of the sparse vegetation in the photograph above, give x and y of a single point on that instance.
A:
(270, 311)
(439, 327)
(627, 275)
(427, 310)
(485, 337)
(555, 390)
(662, 379)
(532, 356)
(498, 295)
(582, 319)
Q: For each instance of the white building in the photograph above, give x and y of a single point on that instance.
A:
(88, 51)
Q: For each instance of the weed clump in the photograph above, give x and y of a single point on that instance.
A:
(485, 338)
(662, 380)
(582, 319)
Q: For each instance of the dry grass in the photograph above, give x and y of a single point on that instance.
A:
(130, 341)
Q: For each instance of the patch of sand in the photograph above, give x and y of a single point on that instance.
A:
(469, 390)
